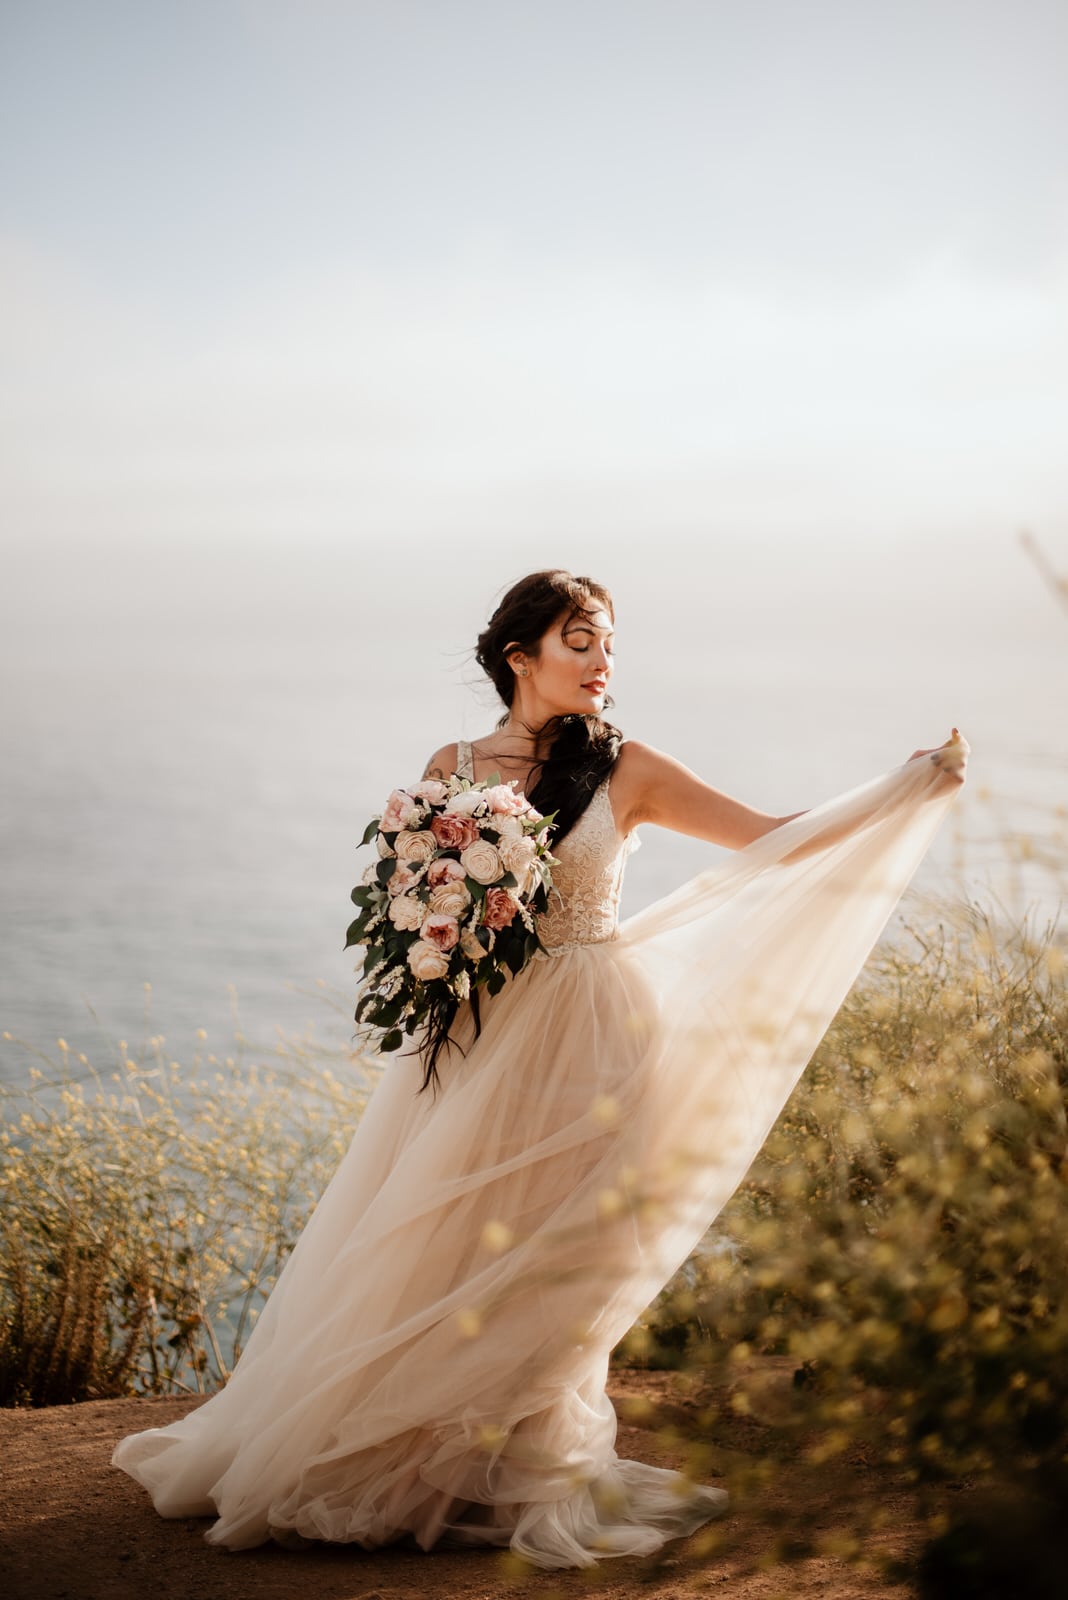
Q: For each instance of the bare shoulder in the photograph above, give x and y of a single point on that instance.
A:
(651, 786)
(442, 763)
(637, 761)
(636, 767)
(633, 754)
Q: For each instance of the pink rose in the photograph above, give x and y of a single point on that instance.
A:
(440, 930)
(444, 870)
(504, 800)
(452, 832)
(400, 810)
(500, 908)
(401, 878)
(431, 790)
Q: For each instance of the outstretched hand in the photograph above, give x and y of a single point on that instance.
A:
(951, 757)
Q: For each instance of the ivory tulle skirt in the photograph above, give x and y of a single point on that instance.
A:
(433, 1357)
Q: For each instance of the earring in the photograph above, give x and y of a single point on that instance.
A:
(523, 673)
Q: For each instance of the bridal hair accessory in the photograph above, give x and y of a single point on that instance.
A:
(449, 906)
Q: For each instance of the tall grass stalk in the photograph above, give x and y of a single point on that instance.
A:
(889, 1286)
(146, 1214)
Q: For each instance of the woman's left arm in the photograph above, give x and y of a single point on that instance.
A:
(649, 786)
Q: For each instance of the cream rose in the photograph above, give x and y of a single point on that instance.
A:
(482, 862)
(406, 913)
(451, 899)
(384, 846)
(415, 846)
(427, 961)
(517, 854)
(508, 827)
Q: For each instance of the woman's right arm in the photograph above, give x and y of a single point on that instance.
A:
(442, 763)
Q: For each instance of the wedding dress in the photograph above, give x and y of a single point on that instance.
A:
(433, 1357)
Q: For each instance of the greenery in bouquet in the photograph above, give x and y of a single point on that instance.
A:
(449, 907)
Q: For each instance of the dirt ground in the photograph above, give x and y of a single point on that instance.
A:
(72, 1527)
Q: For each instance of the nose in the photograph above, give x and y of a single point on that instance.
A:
(603, 659)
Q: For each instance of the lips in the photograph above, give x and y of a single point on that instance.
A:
(596, 688)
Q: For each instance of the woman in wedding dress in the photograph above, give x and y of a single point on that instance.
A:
(432, 1360)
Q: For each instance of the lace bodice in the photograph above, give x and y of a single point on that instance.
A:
(588, 877)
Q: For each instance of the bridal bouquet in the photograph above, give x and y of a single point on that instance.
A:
(463, 869)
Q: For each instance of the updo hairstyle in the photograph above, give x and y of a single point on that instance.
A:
(585, 748)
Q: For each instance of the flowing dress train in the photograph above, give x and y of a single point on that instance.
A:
(433, 1357)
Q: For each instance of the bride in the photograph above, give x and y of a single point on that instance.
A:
(432, 1360)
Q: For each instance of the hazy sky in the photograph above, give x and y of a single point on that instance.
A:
(659, 268)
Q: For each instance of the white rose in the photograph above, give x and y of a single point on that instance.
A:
(415, 846)
(517, 854)
(427, 961)
(467, 804)
(407, 913)
(451, 899)
(508, 827)
(482, 862)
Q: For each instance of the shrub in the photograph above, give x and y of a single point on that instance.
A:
(147, 1218)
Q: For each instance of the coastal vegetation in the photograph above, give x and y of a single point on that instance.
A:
(148, 1209)
(884, 1300)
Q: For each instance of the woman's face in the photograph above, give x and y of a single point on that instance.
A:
(571, 671)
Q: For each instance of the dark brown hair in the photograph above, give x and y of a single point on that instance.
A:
(584, 749)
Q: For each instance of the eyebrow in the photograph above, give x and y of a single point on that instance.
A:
(585, 627)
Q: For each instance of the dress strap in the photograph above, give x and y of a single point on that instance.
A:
(464, 766)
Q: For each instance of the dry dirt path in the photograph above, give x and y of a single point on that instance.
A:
(72, 1527)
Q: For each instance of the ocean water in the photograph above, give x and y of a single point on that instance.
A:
(193, 737)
